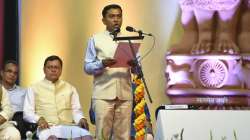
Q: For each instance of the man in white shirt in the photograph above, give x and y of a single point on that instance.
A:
(54, 105)
(112, 97)
(16, 94)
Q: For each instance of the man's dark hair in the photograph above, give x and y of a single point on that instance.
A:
(52, 58)
(9, 62)
(108, 7)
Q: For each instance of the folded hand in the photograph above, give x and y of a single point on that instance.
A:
(108, 62)
(83, 123)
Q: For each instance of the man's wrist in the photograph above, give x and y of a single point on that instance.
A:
(104, 63)
(2, 119)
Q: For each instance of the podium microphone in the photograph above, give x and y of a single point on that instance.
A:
(115, 31)
(131, 29)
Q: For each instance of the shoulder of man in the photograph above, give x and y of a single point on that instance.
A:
(35, 85)
(101, 35)
(65, 83)
(21, 89)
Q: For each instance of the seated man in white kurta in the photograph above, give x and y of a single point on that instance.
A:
(16, 94)
(54, 105)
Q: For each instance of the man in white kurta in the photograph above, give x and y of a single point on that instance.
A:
(7, 130)
(54, 105)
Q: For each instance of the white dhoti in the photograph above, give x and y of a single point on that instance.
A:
(62, 131)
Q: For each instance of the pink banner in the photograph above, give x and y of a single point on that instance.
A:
(1, 31)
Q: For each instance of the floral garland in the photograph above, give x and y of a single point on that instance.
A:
(140, 117)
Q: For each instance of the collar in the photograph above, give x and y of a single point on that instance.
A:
(50, 82)
(13, 88)
(106, 32)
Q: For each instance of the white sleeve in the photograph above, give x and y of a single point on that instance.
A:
(92, 64)
(29, 107)
(76, 107)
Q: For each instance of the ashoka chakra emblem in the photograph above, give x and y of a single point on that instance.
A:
(213, 73)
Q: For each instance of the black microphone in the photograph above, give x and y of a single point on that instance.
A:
(115, 31)
(131, 29)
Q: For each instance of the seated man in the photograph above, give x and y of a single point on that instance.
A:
(54, 105)
(16, 94)
(7, 130)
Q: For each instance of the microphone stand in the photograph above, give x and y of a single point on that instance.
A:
(137, 67)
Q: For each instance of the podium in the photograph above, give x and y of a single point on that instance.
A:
(203, 125)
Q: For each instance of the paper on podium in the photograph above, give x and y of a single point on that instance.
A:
(123, 54)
